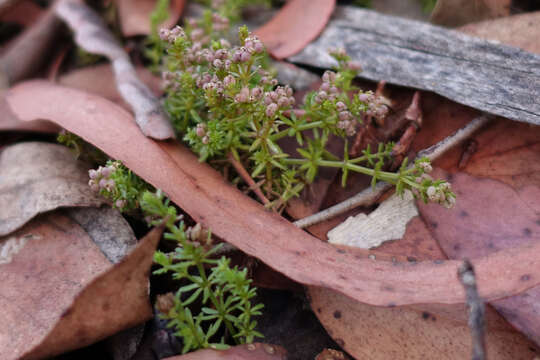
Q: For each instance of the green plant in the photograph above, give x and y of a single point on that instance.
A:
(119, 185)
(154, 45)
(232, 9)
(224, 292)
(227, 106)
(428, 5)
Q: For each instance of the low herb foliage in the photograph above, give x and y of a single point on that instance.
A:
(225, 293)
(222, 293)
(226, 104)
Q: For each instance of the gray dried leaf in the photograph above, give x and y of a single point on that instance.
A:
(38, 177)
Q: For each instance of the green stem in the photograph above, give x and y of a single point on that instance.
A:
(283, 133)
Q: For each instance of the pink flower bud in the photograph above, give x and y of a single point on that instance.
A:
(120, 203)
(200, 130)
(205, 140)
(245, 57)
(256, 93)
(242, 96)
(340, 106)
(229, 80)
(164, 34)
(271, 110)
(258, 47)
(345, 115)
(283, 102)
(92, 174)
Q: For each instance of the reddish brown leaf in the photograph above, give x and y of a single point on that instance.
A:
(135, 15)
(257, 351)
(99, 80)
(38, 177)
(23, 12)
(112, 301)
(498, 209)
(25, 56)
(49, 262)
(205, 195)
(418, 332)
(377, 333)
(9, 122)
(518, 30)
(296, 25)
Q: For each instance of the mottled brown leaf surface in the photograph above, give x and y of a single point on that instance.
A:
(135, 15)
(256, 351)
(39, 177)
(294, 26)
(377, 333)
(56, 260)
(204, 194)
(114, 300)
(498, 208)
(460, 12)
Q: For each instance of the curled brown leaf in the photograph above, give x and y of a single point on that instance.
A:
(206, 196)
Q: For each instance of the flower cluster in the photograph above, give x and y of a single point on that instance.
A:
(118, 184)
(225, 101)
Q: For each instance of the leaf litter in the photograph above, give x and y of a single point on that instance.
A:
(264, 235)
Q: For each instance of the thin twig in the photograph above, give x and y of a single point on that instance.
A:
(247, 178)
(92, 35)
(370, 195)
(476, 310)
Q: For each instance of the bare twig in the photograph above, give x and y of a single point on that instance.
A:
(29, 51)
(93, 36)
(247, 178)
(369, 196)
(476, 310)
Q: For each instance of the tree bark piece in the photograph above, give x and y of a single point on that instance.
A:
(92, 35)
(495, 78)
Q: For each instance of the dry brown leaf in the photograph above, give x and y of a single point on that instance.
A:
(135, 15)
(92, 35)
(38, 177)
(295, 25)
(99, 80)
(377, 333)
(114, 300)
(517, 30)
(26, 55)
(205, 195)
(416, 332)
(460, 12)
(256, 351)
(48, 262)
(24, 13)
(9, 122)
(499, 188)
